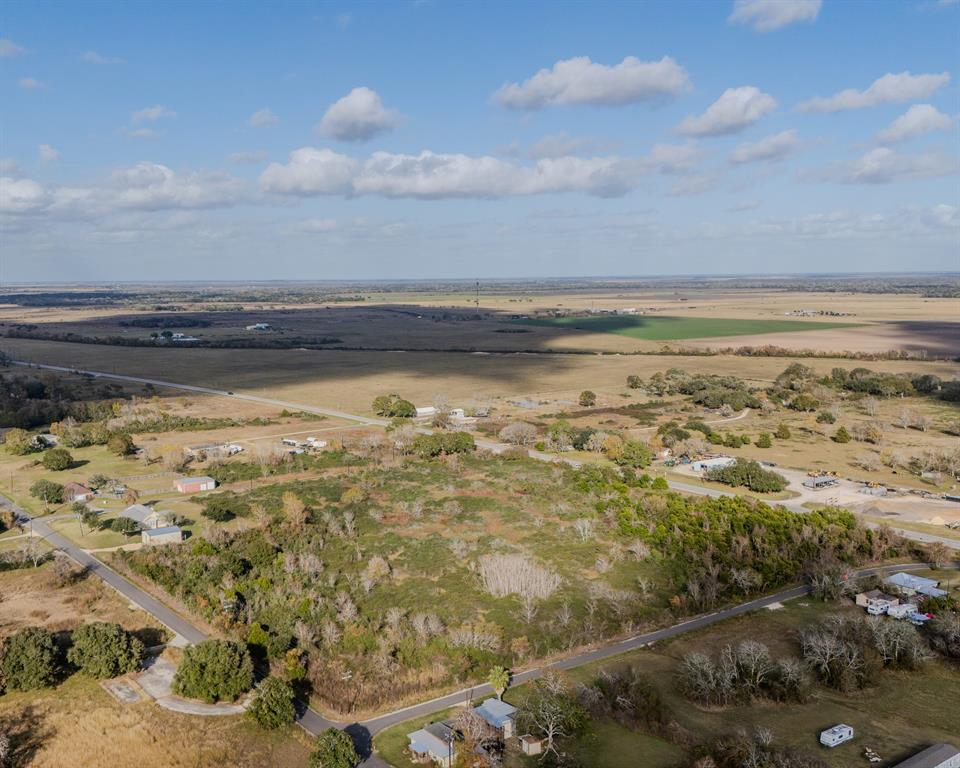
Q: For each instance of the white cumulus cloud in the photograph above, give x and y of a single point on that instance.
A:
(770, 15)
(916, 121)
(771, 148)
(736, 109)
(263, 117)
(21, 195)
(358, 116)
(889, 88)
(48, 154)
(151, 114)
(582, 81)
(310, 171)
(885, 166)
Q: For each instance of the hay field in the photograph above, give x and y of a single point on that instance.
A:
(349, 380)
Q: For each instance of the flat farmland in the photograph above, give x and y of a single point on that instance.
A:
(672, 328)
(349, 380)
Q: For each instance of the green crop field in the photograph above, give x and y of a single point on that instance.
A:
(666, 328)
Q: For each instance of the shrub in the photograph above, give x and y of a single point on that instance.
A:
(763, 440)
(121, 444)
(748, 474)
(57, 459)
(394, 406)
(659, 484)
(214, 670)
(427, 446)
(634, 454)
(783, 432)
(587, 398)
(272, 705)
(804, 403)
(825, 417)
(103, 650)
(334, 749)
(18, 442)
(29, 660)
(634, 382)
(841, 435)
(124, 525)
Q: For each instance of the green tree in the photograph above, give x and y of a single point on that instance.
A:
(748, 474)
(634, 454)
(634, 382)
(90, 517)
(334, 749)
(214, 670)
(804, 402)
(103, 650)
(499, 679)
(659, 484)
(47, 491)
(18, 442)
(783, 432)
(272, 705)
(124, 525)
(121, 444)
(588, 398)
(57, 459)
(29, 660)
(98, 481)
(841, 435)
(763, 440)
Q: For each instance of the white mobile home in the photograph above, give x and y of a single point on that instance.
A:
(836, 735)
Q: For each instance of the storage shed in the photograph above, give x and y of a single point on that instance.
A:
(194, 484)
(153, 537)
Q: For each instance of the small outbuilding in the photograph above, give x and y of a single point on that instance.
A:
(194, 484)
(531, 745)
(937, 756)
(426, 412)
(820, 482)
(836, 735)
(153, 537)
(498, 714)
(718, 462)
(77, 492)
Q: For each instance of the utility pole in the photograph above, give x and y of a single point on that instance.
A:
(478, 295)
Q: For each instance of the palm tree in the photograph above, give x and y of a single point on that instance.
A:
(499, 680)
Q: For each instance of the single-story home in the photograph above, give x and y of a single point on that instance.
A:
(498, 714)
(316, 443)
(434, 743)
(194, 484)
(153, 537)
(820, 481)
(147, 517)
(77, 492)
(836, 735)
(426, 412)
(912, 585)
(875, 601)
(716, 463)
(938, 756)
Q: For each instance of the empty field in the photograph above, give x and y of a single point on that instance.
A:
(671, 328)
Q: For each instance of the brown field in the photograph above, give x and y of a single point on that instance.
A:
(80, 724)
(349, 380)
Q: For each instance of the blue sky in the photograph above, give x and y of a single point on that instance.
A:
(435, 139)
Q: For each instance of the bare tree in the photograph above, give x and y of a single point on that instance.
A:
(519, 433)
(516, 574)
(583, 527)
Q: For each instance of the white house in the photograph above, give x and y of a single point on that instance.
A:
(435, 743)
(259, 327)
(836, 735)
(912, 585)
(316, 443)
(147, 517)
(901, 611)
(498, 714)
(426, 412)
(876, 602)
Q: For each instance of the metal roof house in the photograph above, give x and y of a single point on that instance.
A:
(937, 756)
(820, 481)
(915, 584)
(836, 735)
(435, 742)
(147, 517)
(498, 714)
(154, 537)
(77, 492)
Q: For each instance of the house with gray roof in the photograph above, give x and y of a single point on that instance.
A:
(912, 585)
(937, 756)
(498, 714)
(147, 517)
(434, 743)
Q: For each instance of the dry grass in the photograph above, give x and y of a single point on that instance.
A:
(79, 724)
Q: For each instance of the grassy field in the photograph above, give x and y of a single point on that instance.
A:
(669, 328)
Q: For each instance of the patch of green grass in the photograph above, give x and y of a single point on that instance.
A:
(667, 328)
